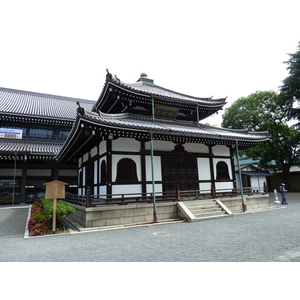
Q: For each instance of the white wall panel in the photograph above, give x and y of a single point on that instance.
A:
(203, 168)
(221, 150)
(157, 168)
(196, 148)
(127, 189)
(123, 144)
(224, 186)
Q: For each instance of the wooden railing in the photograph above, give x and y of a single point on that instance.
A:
(89, 200)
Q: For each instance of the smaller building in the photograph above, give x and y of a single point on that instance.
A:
(253, 178)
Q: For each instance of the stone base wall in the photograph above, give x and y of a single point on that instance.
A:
(252, 202)
(102, 216)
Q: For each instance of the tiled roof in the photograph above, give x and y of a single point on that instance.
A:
(146, 89)
(9, 147)
(155, 90)
(177, 127)
(23, 103)
(134, 126)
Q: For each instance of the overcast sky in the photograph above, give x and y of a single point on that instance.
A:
(201, 48)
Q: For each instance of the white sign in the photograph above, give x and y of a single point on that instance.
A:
(11, 133)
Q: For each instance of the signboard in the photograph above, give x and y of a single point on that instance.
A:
(11, 133)
(167, 113)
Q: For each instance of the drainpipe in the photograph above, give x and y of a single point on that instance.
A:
(240, 177)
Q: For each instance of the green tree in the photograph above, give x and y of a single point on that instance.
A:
(263, 111)
(290, 90)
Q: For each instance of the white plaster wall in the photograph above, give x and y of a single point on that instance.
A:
(197, 148)
(228, 162)
(135, 158)
(160, 146)
(123, 144)
(224, 186)
(94, 151)
(102, 148)
(203, 168)
(158, 188)
(126, 189)
(221, 150)
(157, 168)
(258, 181)
(204, 187)
(103, 190)
(85, 157)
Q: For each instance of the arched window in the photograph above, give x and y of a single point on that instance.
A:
(126, 171)
(222, 170)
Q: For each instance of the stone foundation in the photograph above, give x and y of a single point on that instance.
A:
(118, 215)
(102, 216)
(252, 202)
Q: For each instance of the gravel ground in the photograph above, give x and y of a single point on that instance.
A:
(270, 236)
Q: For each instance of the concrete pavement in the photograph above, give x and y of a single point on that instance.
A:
(253, 237)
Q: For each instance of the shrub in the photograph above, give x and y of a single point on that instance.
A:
(39, 217)
(30, 224)
(36, 204)
(39, 209)
(39, 229)
(62, 209)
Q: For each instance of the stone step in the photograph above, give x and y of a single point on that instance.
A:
(204, 211)
(207, 214)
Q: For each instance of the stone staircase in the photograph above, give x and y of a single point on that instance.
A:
(198, 210)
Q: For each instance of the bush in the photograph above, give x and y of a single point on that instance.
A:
(39, 229)
(37, 224)
(62, 209)
(36, 210)
(36, 204)
(39, 217)
(31, 223)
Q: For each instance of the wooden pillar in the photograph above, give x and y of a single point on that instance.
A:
(143, 168)
(109, 166)
(232, 166)
(212, 173)
(24, 179)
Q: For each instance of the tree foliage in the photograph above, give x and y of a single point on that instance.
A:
(264, 111)
(290, 90)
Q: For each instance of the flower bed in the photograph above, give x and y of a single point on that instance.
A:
(40, 221)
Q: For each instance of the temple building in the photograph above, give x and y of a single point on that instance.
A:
(33, 128)
(141, 138)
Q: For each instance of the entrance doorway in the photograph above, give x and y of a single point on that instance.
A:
(180, 171)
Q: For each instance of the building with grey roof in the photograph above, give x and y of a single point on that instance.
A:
(135, 130)
(33, 128)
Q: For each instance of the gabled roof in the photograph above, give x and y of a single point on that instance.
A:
(17, 104)
(90, 128)
(117, 97)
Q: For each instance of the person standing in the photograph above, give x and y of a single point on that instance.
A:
(283, 191)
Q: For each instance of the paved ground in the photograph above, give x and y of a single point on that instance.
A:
(270, 236)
